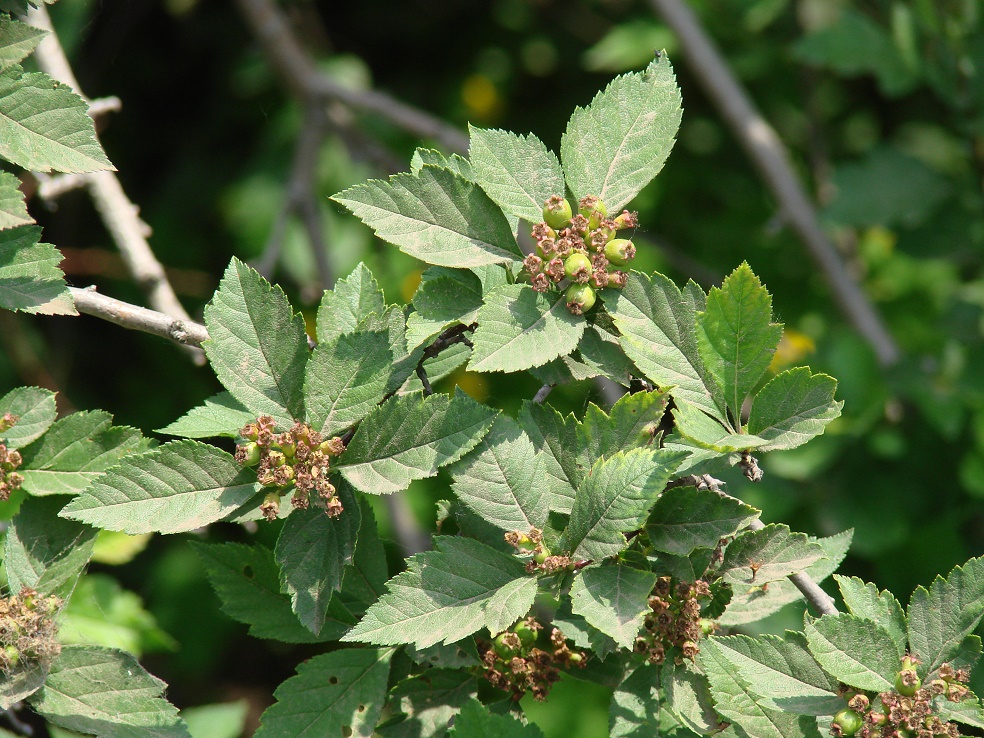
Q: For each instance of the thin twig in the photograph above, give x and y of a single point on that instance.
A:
(770, 158)
(541, 394)
(186, 332)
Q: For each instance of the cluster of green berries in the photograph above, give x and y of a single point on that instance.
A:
(674, 625)
(298, 457)
(906, 712)
(10, 459)
(28, 629)
(580, 248)
(515, 664)
(540, 559)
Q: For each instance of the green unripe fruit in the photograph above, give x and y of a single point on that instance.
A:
(907, 682)
(527, 636)
(575, 658)
(848, 721)
(620, 251)
(580, 298)
(592, 208)
(251, 454)
(557, 212)
(540, 555)
(11, 656)
(576, 263)
(707, 627)
(506, 645)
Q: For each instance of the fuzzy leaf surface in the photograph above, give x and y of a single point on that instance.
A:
(615, 497)
(30, 279)
(518, 172)
(35, 411)
(613, 598)
(410, 437)
(456, 163)
(519, 328)
(865, 601)
(686, 518)
(706, 432)
(258, 347)
(792, 408)
(634, 711)
(428, 702)
(13, 207)
(688, 697)
(630, 424)
(177, 487)
(352, 300)
(774, 551)
(364, 581)
(436, 216)
(617, 145)
(332, 694)
(17, 40)
(44, 126)
(968, 712)
(475, 721)
(106, 692)
(442, 597)
(552, 434)
(854, 650)
(221, 415)
(445, 296)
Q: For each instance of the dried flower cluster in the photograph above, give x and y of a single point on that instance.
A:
(10, 459)
(298, 457)
(28, 629)
(541, 560)
(674, 622)
(581, 248)
(514, 663)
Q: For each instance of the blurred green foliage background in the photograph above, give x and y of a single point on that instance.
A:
(881, 103)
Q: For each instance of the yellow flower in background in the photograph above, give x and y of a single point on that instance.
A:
(793, 348)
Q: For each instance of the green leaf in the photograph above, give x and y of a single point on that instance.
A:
(410, 437)
(706, 432)
(617, 145)
(736, 336)
(443, 596)
(519, 328)
(30, 280)
(939, 619)
(128, 702)
(337, 693)
(17, 40)
(757, 557)
(754, 603)
(613, 598)
(658, 324)
(865, 601)
(636, 704)
(582, 633)
(364, 581)
(509, 604)
(258, 347)
(35, 411)
(445, 296)
(77, 450)
(782, 671)
(792, 408)
(20, 683)
(456, 163)
(686, 518)
(462, 654)
(968, 712)
(178, 487)
(247, 581)
(518, 172)
(854, 650)
(501, 479)
(615, 497)
(688, 697)
(351, 301)
(435, 216)
(221, 415)
(223, 720)
(428, 702)
(598, 354)
(44, 126)
(45, 552)
(475, 721)
(631, 424)
(13, 208)
(554, 435)
(313, 551)
(346, 377)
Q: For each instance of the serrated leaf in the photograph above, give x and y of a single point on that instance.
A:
(658, 324)
(35, 411)
(686, 518)
(17, 40)
(221, 415)
(854, 650)
(313, 551)
(220, 720)
(364, 581)
(258, 347)
(792, 408)
(614, 498)
(337, 693)
(445, 296)
(446, 362)
(410, 437)
(353, 299)
(501, 479)
(865, 601)
(456, 163)
(519, 328)
(631, 423)
(617, 145)
(462, 654)
(436, 216)
(177, 487)
(688, 697)
(475, 721)
(518, 172)
(553, 435)
(598, 354)
(736, 336)
(44, 126)
(393, 322)
(442, 597)
(45, 552)
(706, 432)
(75, 451)
(247, 582)
(30, 279)
(582, 633)
(346, 377)
(939, 619)
(13, 208)
(968, 712)
(428, 702)
(510, 603)
(128, 702)
(20, 683)
(613, 598)
(757, 557)
(636, 704)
